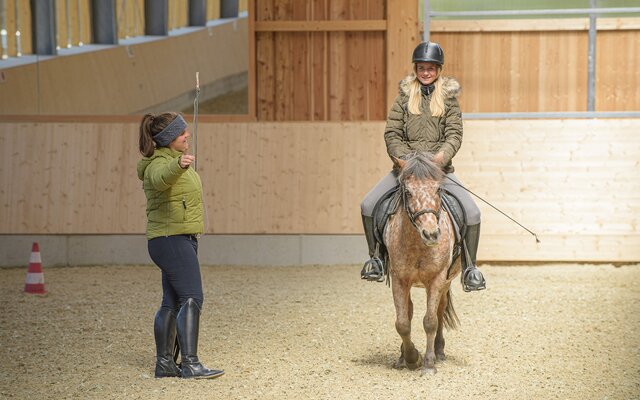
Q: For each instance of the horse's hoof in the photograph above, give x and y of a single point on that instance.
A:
(440, 357)
(428, 371)
(416, 365)
(412, 366)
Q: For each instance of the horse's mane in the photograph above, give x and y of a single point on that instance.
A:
(420, 165)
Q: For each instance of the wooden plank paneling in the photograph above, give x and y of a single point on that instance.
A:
(376, 84)
(76, 28)
(124, 79)
(570, 181)
(618, 71)
(334, 71)
(502, 68)
(178, 14)
(19, 90)
(213, 9)
(314, 26)
(18, 17)
(528, 71)
(403, 36)
(318, 64)
(130, 18)
(300, 63)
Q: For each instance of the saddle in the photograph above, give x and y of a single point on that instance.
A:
(389, 204)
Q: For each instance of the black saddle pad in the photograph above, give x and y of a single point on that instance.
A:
(387, 205)
(452, 205)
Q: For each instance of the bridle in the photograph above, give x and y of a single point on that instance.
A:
(413, 216)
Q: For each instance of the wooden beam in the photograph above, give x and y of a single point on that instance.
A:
(251, 90)
(321, 26)
(403, 35)
(533, 25)
(115, 119)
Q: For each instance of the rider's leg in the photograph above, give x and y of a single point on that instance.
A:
(373, 268)
(472, 278)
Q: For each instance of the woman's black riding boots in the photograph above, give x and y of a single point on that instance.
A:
(187, 324)
(164, 329)
(373, 268)
(472, 278)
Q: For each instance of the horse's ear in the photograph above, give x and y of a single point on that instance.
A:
(398, 163)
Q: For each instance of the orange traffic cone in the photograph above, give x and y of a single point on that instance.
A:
(35, 278)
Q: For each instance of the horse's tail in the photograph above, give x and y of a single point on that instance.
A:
(450, 317)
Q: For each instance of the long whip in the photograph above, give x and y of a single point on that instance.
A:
(196, 105)
(497, 209)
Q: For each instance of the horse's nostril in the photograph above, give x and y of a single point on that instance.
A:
(430, 236)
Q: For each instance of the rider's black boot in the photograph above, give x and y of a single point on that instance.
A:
(164, 329)
(373, 268)
(188, 324)
(472, 278)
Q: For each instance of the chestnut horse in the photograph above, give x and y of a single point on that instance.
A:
(420, 240)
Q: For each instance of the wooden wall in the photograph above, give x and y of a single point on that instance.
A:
(308, 71)
(130, 16)
(130, 20)
(618, 71)
(78, 21)
(24, 17)
(328, 66)
(574, 182)
(532, 67)
(125, 79)
(331, 60)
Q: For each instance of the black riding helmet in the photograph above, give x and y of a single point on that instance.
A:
(428, 52)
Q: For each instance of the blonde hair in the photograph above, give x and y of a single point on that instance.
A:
(436, 105)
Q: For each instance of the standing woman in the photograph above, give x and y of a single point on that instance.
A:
(426, 117)
(174, 222)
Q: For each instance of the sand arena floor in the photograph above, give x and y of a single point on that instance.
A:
(537, 332)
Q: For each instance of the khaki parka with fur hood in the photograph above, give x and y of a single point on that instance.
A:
(406, 132)
(174, 195)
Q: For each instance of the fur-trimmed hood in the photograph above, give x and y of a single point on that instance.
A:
(451, 88)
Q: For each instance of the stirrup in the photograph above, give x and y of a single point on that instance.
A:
(373, 270)
(473, 280)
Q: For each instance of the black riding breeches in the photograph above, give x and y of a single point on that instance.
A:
(177, 258)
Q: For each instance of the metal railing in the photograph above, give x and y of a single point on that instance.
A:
(73, 22)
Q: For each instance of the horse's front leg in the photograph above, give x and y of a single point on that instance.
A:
(439, 343)
(409, 355)
(430, 323)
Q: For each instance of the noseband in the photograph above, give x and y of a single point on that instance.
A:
(413, 216)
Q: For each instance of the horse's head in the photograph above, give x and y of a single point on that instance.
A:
(420, 180)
